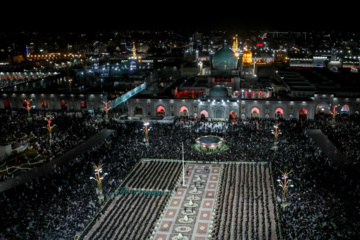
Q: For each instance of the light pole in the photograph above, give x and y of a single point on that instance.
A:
(107, 110)
(49, 128)
(334, 114)
(183, 164)
(146, 130)
(98, 178)
(276, 134)
(285, 184)
(28, 108)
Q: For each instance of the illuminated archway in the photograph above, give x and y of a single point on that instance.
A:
(255, 112)
(218, 113)
(44, 104)
(232, 116)
(323, 108)
(279, 113)
(24, 103)
(303, 114)
(138, 110)
(83, 104)
(160, 111)
(63, 105)
(203, 114)
(345, 109)
(6, 104)
(184, 111)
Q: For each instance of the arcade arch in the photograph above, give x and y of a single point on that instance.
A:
(345, 109)
(63, 105)
(44, 104)
(204, 114)
(279, 113)
(232, 116)
(255, 112)
(218, 113)
(303, 114)
(160, 111)
(138, 110)
(323, 108)
(6, 104)
(83, 104)
(184, 111)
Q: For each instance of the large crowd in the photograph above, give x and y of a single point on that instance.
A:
(345, 134)
(323, 204)
(134, 213)
(69, 130)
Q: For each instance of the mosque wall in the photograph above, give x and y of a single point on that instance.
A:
(267, 109)
(53, 101)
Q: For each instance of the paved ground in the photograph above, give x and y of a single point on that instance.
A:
(335, 155)
(205, 177)
(225, 201)
(328, 147)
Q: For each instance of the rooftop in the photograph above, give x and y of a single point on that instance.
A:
(321, 79)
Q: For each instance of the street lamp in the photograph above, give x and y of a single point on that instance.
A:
(183, 164)
(28, 108)
(276, 134)
(49, 128)
(285, 183)
(98, 179)
(107, 110)
(146, 130)
(334, 114)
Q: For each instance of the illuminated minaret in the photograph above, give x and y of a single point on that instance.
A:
(134, 50)
(235, 44)
(191, 46)
(235, 47)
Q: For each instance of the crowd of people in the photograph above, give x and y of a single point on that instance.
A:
(59, 204)
(69, 130)
(245, 204)
(345, 134)
(323, 204)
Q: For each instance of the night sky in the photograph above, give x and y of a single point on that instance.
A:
(271, 16)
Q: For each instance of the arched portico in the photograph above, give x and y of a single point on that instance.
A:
(232, 116)
(218, 112)
(63, 105)
(255, 112)
(6, 104)
(160, 111)
(279, 113)
(184, 112)
(345, 110)
(303, 113)
(323, 108)
(138, 110)
(204, 114)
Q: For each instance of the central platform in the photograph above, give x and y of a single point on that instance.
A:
(209, 141)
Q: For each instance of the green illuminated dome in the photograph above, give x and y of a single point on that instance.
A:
(225, 59)
(218, 92)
